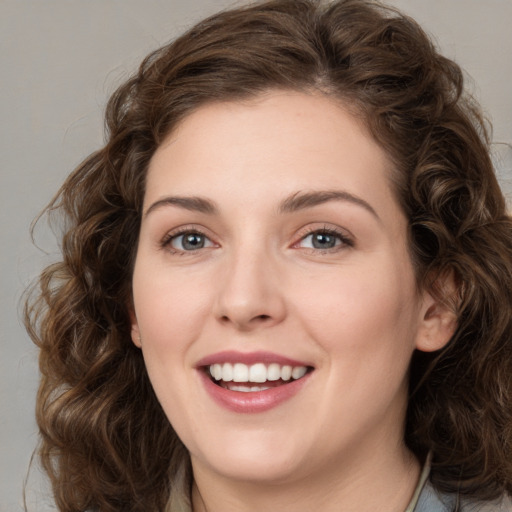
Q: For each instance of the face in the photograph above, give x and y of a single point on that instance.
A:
(274, 297)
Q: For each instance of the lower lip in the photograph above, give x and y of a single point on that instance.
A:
(253, 401)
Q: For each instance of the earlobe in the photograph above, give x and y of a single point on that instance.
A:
(135, 332)
(438, 320)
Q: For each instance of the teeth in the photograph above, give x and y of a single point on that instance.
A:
(286, 372)
(273, 372)
(257, 373)
(217, 372)
(298, 372)
(227, 372)
(246, 389)
(240, 373)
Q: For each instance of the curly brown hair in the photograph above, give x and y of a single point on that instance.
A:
(105, 441)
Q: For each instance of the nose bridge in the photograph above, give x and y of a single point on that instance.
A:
(249, 294)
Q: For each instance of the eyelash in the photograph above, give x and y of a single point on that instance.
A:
(166, 242)
(345, 241)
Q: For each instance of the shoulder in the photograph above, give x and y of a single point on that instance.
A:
(431, 500)
(503, 504)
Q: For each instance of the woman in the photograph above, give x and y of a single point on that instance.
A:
(286, 279)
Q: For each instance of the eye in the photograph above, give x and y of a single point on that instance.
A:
(324, 239)
(188, 241)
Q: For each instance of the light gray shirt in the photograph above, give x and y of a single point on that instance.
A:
(427, 499)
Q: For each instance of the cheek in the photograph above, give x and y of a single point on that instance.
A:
(170, 307)
(170, 314)
(367, 315)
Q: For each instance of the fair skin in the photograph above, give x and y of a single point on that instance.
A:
(271, 235)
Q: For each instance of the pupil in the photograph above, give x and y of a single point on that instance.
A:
(323, 240)
(193, 241)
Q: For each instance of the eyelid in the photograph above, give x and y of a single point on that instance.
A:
(165, 242)
(346, 238)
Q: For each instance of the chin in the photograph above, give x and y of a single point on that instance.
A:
(251, 458)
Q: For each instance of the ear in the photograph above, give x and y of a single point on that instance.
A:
(135, 332)
(438, 320)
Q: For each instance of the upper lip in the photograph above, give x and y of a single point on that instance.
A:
(248, 358)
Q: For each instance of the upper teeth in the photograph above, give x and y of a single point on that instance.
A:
(258, 372)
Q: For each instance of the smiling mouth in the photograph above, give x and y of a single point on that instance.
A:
(256, 377)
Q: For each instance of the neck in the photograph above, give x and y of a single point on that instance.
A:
(379, 479)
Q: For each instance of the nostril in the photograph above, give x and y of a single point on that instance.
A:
(225, 318)
(247, 322)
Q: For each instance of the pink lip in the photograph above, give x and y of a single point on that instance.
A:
(252, 402)
(255, 401)
(232, 356)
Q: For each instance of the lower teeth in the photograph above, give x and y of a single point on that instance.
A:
(245, 389)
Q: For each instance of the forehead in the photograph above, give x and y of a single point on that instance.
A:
(273, 145)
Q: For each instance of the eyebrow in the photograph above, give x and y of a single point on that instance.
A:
(297, 201)
(193, 203)
(302, 200)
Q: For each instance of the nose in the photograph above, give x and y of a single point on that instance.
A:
(250, 295)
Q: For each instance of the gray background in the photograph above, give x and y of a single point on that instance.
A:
(60, 60)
